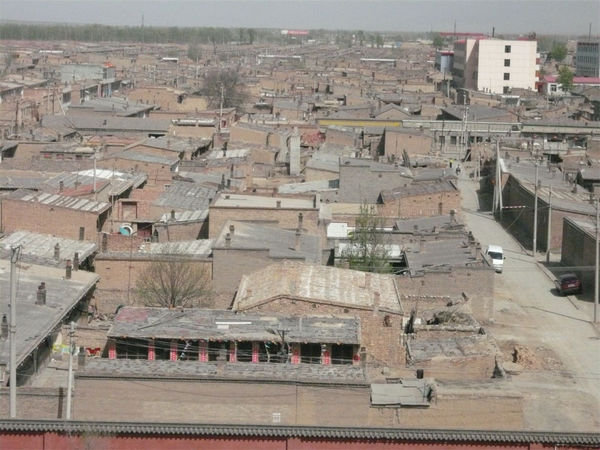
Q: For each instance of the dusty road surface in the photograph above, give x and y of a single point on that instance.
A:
(554, 343)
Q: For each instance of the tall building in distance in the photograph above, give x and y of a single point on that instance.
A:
(588, 59)
(495, 65)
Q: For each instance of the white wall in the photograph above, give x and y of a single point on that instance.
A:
(491, 69)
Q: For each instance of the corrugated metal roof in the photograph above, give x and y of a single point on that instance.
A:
(40, 247)
(200, 247)
(62, 201)
(185, 216)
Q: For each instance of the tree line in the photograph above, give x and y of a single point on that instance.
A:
(149, 34)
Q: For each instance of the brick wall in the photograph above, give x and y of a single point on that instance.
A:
(40, 218)
(39, 403)
(230, 264)
(222, 402)
(316, 174)
(426, 205)
(157, 173)
(413, 143)
(187, 231)
(515, 195)
(118, 274)
(579, 249)
(383, 343)
(248, 135)
(476, 284)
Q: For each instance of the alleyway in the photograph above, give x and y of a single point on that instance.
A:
(562, 376)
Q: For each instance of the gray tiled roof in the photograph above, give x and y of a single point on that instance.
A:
(36, 322)
(185, 195)
(442, 436)
(217, 325)
(418, 188)
(319, 284)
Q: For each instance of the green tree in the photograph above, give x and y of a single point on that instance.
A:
(360, 36)
(366, 250)
(172, 282)
(565, 78)
(251, 35)
(379, 40)
(438, 41)
(558, 52)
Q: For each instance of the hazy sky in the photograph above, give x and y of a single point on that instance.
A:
(508, 16)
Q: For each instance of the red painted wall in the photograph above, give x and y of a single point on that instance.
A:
(54, 441)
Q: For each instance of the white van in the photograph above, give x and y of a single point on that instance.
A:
(496, 254)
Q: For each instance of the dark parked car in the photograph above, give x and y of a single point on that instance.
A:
(568, 283)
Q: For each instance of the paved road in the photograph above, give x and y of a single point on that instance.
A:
(563, 391)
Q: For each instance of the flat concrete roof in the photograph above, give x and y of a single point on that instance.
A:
(258, 201)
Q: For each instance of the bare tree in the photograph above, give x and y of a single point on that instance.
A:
(224, 85)
(173, 282)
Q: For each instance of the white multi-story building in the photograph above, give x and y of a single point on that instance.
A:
(495, 65)
(588, 59)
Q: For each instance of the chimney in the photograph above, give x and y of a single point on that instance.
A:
(300, 220)
(76, 261)
(278, 203)
(172, 214)
(41, 294)
(228, 240)
(231, 229)
(57, 251)
(297, 240)
(4, 327)
(68, 269)
(81, 358)
(61, 186)
(376, 302)
(104, 242)
(367, 280)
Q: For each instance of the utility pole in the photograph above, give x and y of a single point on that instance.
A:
(549, 237)
(95, 194)
(535, 209)
(221, 110)
(14, 256)
(70, 380)
(597, 268)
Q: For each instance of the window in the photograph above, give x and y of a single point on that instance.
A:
(507, 63)
(505, 89)
(506, 76)
(507, 49)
